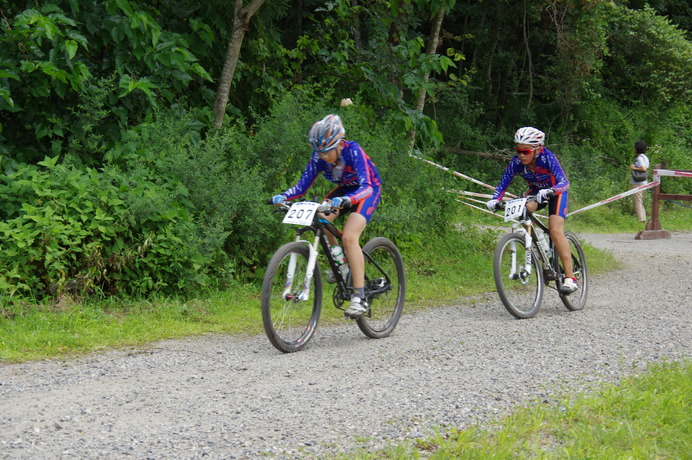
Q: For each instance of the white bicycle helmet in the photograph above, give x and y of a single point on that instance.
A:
(529, 135)
(326, 133)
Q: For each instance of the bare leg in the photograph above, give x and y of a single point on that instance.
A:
(331, 218)
(556, 224)
(353, 228)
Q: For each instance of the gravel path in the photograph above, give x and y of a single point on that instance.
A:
(222, 397)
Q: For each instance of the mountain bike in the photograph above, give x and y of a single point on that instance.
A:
(292, 291)
(526, 261)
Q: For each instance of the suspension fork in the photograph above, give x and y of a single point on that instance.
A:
(309, 272)
(528, 262)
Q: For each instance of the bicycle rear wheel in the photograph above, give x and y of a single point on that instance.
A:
(385, 288)
(289, 315)
(521, 292)
(576, 300)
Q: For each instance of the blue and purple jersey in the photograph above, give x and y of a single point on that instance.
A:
(356, 175)
(546, 174)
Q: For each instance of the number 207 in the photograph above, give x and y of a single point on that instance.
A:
(298, 214)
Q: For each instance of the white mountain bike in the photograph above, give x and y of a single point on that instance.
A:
(292, 287)
(526, 262)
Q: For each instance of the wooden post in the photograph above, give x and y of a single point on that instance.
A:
(653, 231)
(654, 223)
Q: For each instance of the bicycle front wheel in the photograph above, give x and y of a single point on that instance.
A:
(576, 300)
(385, 288)
(519, 286)
(291, 304)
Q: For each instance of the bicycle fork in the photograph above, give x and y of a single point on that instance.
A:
(523, 272)
(309, 272)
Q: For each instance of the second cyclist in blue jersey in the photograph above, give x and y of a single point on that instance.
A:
(358, 186)
(541, 169)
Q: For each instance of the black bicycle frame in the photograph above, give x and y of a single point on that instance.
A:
(551, 266)
(318, 227)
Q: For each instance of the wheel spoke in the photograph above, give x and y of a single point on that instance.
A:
(385, 284)
(577, 300)
(289, 321)
(520, 286)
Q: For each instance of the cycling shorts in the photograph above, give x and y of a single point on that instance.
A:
(557, 205)
(365, 208)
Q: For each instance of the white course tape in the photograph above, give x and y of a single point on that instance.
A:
(480, 209)
(656, 181)
(457, 173)
(479, 195)
(671, 172)
(617, 197)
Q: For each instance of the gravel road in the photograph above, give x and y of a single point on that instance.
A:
(221, 397)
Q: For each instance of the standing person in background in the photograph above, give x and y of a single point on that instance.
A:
(639, 174)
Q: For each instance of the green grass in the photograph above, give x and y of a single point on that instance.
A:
(646, 416)
(30, 331)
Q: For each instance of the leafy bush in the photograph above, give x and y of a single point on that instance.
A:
(70, 231)
(55, 54)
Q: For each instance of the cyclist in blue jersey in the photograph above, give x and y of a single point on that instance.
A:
(541, 169)
(358, 187)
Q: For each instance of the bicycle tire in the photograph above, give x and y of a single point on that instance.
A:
(520, 294)
(387, 304)
(289, 322)
(576, 300)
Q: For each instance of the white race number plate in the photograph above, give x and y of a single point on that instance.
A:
(515, 209)
(301, 213)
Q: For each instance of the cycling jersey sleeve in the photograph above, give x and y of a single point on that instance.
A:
(510, 171)
(364, 172)
(312, 170)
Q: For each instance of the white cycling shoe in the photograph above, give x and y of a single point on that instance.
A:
(568, 286)
(357, 308)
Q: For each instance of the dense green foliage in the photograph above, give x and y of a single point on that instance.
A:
(69, 230)
(116, 183)
(55, 57)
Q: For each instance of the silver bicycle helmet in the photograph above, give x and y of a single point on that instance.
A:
(326, 133)
(529, 135)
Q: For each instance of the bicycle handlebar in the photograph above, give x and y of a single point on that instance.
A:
(325, 207)
(530, 198)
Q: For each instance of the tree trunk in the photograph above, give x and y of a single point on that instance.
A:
(431, 49)
(241, 19)
(525, 33)
(357, 40)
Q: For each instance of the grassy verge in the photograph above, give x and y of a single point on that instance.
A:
(30, 332)
(442, 273)
(643, 417)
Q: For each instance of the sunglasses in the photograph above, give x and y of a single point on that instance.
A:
(324, 153)
(524, 151)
